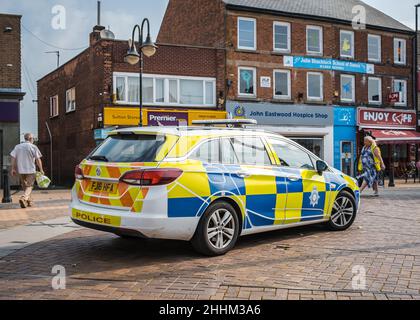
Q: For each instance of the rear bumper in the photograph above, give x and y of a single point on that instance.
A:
(148, 225)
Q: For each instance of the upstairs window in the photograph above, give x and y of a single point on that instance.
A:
(282, 84)
(401, 87)
(314, 40)
(247, 81)
(247, 33)
(54, 106)
(71, 100)
(374, 48)
(347, 88)
(375, 90)
(315, 86)
(161, 90)
(282, 38)
(400, 51)
(347, 44)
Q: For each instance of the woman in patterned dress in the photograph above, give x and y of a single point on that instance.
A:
(371, 163)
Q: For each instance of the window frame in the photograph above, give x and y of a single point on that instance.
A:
(54, 97)
(401, 104)
(289, 36)
(289, 85)
(348, 32)
(167, 79)
(251, 95)
(254, 48)
(353, 83)
(404, 41)
(309, 98)
(379, 48)
(321, 40)
(69, 110)
(380, 91)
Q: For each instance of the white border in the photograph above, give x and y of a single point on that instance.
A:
(255, 33)
(254, 95)
(379, 47)
(380, 91)
(353, 90)
(321, 98)
(321, 40)
(351, 33)
(289, 37)
(289, 84)
(403, 63)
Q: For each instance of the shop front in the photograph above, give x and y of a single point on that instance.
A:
(310, 126)
(395, 133)
(345, 139)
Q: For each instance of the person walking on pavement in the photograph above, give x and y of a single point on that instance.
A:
(370, 164)
(24, 156)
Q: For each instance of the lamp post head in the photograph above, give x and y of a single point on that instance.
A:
(148, 47)
(132, 56)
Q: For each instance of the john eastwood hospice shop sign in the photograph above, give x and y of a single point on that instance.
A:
(278, 114)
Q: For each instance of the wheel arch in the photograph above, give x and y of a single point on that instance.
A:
(236, 206)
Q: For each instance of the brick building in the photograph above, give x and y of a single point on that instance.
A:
(301, 69)
(97, 91)
(10, 85)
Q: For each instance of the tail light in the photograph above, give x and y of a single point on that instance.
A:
(151, 177)
(78, 173)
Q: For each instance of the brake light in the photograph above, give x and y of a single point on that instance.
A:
(78, 173)
(151, 177)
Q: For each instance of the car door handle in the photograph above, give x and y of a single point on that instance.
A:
(242, 174)
(293, 178)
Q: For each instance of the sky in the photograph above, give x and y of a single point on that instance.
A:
(42, 31)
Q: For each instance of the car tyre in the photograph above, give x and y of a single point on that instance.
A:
(217, 231)
(343, 213)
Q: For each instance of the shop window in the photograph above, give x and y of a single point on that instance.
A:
(247, 81)
(163, 90)
(374, 48)
(71, 100)
(250, 151)
(347, 88)
(282, 38)
(400, 51)
(375, 90)
(247, 33)
(282, 84)
(401, 87)
(291, 155)
(314, 40)
(54, 106)
(315, 86)
(347, 44)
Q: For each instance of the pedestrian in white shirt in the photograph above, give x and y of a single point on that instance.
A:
(24, 156)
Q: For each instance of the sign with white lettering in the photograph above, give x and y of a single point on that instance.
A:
(328, 64)
(386, 118)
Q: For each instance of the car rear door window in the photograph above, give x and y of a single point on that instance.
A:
(228, 153)
(208, 152)
(250, 150)
(291, 155)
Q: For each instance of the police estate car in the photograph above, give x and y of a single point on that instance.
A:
(207, 185)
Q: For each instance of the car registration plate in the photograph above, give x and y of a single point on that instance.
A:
(98, 186)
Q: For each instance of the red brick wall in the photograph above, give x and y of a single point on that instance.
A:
(266, 61)
(91, 73)
(193, 22)
(10, 52)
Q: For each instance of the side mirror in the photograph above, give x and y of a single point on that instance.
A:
(321, 167)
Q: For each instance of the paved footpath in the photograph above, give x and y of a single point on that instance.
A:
(304, 263)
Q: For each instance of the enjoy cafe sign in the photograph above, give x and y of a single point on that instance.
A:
(386, 118)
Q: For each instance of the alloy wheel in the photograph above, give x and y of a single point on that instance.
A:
(343, 212)
(221, 229)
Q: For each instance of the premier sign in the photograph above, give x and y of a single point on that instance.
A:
(386, 118)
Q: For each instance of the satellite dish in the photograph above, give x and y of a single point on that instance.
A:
(107, 34)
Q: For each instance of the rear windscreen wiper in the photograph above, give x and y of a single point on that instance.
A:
(99, 158)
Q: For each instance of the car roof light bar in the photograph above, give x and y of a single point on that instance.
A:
(233, 123)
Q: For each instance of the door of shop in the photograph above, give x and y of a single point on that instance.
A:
(347, 158)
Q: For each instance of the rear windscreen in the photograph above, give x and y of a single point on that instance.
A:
(129, 148)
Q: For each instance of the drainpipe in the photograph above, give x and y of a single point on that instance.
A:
(51, 150)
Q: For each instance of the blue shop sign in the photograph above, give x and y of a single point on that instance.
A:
(344, 116)
(328, 64)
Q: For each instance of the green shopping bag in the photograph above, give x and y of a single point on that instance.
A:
(42, 181)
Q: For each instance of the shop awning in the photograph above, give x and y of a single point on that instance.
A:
(395, 136)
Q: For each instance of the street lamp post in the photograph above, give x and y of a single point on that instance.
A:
(147, 48)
